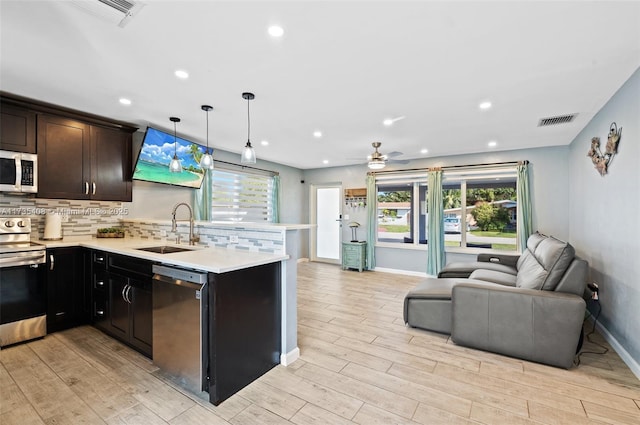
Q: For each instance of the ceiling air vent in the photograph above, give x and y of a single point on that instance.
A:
(118, 12)
(559, 119)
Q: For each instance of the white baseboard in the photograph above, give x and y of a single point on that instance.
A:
(303, 260)
(624, 354)
(397, 271)
(290, 357)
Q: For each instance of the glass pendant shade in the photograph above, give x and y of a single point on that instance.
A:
(376, 164)
(206, 162)
(248, 154)
(175, 166)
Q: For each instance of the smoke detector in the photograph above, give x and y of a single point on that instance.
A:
(119, 12)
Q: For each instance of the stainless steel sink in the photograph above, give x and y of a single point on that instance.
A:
(165, 249)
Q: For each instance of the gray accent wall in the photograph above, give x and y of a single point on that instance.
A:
(550, 193)
(604, 211)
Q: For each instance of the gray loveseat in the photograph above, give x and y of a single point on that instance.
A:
(527, 306)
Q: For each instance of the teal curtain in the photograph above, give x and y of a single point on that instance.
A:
(202, 199)
(523, 212)
(372, 221)
(275, 201)
(435, 231)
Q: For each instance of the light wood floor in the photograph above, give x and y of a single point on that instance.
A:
(359, 364)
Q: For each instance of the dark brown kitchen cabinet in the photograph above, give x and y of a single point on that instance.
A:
(77, 160)
(17, 129)
(122, 299)
(67, 294)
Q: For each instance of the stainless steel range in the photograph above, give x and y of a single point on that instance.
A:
(23, 291)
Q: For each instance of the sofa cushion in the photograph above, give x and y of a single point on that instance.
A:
(465, 268)
(501, 278)
(532, 243)
(542, 267)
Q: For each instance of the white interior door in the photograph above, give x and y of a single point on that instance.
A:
(327, 210)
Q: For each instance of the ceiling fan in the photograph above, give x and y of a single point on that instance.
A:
(378, 161)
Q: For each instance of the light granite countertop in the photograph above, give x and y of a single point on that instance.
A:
(210, 259)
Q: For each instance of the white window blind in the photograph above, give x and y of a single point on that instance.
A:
(241, 196)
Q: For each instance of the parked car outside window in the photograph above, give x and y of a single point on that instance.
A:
(452, 225)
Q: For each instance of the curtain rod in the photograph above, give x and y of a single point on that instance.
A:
(275, 173)
(450, 167)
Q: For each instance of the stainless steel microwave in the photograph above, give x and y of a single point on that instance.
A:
(18, 172)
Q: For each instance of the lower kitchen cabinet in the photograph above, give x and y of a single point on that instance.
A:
(244, 327)
(67, 296)
(122, 300)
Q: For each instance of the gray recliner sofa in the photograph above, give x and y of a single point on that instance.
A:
(529, 306)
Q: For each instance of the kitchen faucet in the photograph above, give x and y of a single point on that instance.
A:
(192, 238)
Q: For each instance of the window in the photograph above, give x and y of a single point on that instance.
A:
(479, 208)
(241, 196)
(402, 217)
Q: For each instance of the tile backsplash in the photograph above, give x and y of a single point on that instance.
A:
(229, 237)
(80, 217)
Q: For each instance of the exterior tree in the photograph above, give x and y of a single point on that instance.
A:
(490, 216)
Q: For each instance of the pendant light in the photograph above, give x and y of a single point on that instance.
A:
(248, 154)
(175, 166)
(206, 162)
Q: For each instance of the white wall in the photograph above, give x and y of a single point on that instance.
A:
(604, 211)
(549, 172)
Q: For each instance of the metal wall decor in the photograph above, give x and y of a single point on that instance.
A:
(601, 161)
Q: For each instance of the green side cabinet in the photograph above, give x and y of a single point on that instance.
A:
(354, 255)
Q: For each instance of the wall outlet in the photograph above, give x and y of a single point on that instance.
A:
(163, 233)
(64, 218)
(233, 238)
(346, 216)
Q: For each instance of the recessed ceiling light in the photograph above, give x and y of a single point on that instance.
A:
(390, 121)
(276, 31)
(125, 101)
(423, 151)
(264, 143)
(492, 144)
(485, 105)
(317, 134)
(326, 161)
(183, 75)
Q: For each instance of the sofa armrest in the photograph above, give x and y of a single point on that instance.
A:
(541, 326)
(506, 259)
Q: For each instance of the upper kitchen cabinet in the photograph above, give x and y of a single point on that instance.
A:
(18, 129)
(80, 155)
(77, 160)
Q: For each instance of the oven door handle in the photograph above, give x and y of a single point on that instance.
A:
(22, 259)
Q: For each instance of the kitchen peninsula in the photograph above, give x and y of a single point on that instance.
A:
(227, 251)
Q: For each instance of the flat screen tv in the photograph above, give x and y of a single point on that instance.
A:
(156, 154)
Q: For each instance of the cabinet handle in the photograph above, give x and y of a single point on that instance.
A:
(123, 291)
(100, 283)
(52, 261)
(99, 312)
(86, 188)
(128, 293)
(99, 259)
(93, 188)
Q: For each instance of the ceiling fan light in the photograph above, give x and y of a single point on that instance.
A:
(248, 154)
(376, 164)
